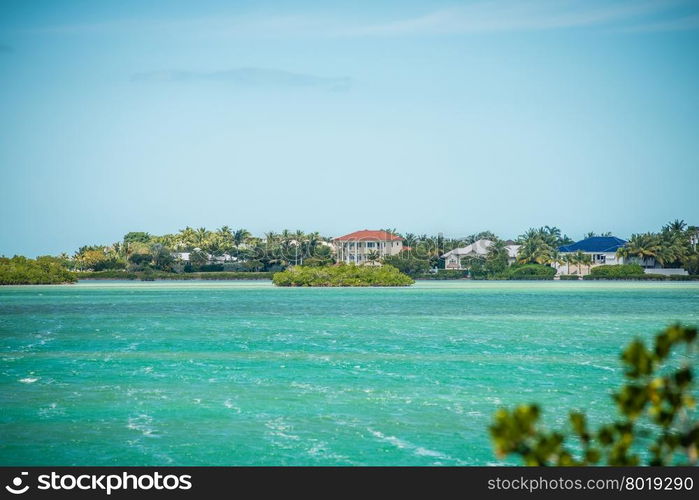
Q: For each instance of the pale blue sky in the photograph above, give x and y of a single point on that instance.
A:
(429, 117)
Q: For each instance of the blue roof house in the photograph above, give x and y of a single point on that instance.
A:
(602, 249)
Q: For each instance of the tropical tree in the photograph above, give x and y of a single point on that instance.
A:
(642, 246)
(373, 256)
(536, 247)
(161, 257)
(241, 236)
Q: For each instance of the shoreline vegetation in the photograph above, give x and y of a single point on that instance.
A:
(342, 275)
(227, 254)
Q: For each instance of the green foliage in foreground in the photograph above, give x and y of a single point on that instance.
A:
(42, 271)
(160, 275)
(656, 411)
(342, 275)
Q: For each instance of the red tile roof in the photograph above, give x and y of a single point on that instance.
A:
(367, 235)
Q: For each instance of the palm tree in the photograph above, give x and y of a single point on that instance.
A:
(643, 246)
(241, 236)
(224, 235)
(568, 259)
(552, 235)
(535, 248)
(676, 225)
(580, 259)
(409, 239)
(186, 238)
(372, 256)
(587, 261)
(201, 237)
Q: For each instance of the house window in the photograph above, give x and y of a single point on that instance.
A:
(371, 244)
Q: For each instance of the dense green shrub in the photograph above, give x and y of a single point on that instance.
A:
(408, 264)
(685, 277)
(106, 275)
(569, 277)
(443, 274)
(162, 275)
(41, 271)
(241, 275)
(209, 268)
(531, 272)
(638, 277)
(616, 271)
(342, 275)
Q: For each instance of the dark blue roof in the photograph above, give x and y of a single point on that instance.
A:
(595, 244)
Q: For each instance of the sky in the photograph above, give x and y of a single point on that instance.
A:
(427, 117)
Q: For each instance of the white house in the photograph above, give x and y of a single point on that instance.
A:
(357, 246)
(601, 249)
(452, 259)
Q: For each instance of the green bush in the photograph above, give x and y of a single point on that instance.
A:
(569, 277)
(656, 411)
(637, 277)
(41, 271)
(685, 277)
(531, 272)
(150, 275)
(443, 274)
(342, 275)
(408, 264)
(241, 275)
(616, 271)
(106, 275)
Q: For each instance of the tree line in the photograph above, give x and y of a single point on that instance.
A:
(228, 249)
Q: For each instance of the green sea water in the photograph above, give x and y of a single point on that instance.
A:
(243, 373)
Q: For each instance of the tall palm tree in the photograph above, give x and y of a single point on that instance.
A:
(241, 236)
(186, 238)
(568, 259)
(534, 248)
(409, 239)
(201, 237)
(676, 225)
(643, 246)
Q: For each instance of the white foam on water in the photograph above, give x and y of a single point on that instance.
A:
(279, 428)
(144, 424)
(229, 404)
(415, 449)
(28, 380)
(588, 363)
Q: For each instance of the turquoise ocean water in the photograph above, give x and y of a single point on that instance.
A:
(242, 373)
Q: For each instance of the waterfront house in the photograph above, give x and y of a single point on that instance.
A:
(453, 258)
(361, 247)
(601, 249)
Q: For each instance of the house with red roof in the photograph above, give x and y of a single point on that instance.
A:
(366, 246)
